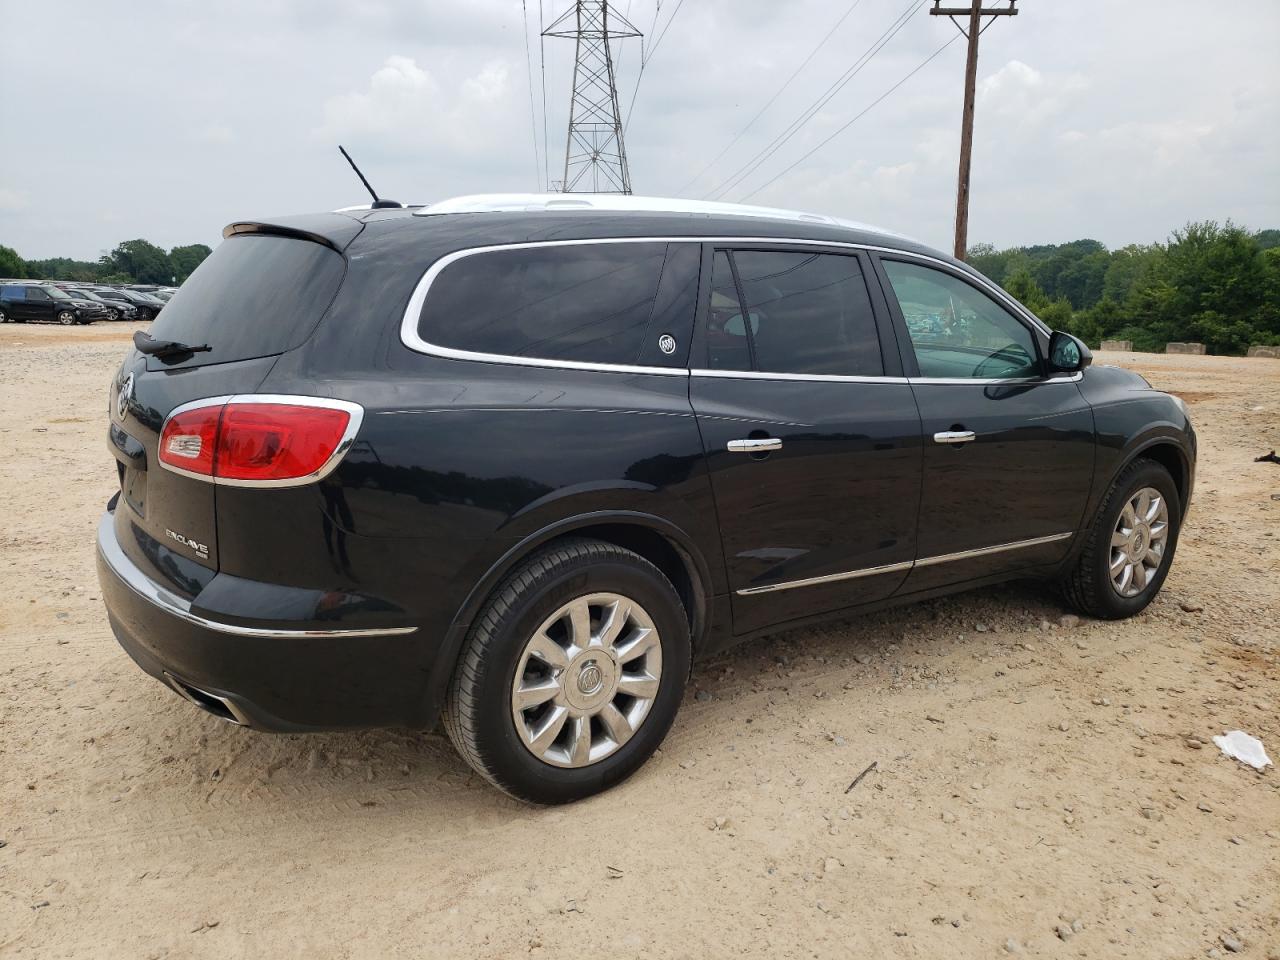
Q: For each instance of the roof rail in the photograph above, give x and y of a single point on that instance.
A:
(554, 202)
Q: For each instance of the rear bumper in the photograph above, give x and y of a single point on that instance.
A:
(303, 676)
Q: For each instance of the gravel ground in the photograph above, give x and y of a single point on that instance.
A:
(1042, 786)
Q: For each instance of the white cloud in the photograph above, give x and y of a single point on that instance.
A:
(212, 133)
(14, 200)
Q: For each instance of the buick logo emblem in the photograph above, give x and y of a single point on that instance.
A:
(124, 396)
(667, 344)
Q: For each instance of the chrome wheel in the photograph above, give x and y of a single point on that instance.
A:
(1138, 542)
(586, 680)
(66, 318)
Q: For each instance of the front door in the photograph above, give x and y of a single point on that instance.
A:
(811, 434)
(1008, 451)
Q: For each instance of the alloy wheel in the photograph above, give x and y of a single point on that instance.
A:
(586, 680)
(66, 318)
(1138, 542)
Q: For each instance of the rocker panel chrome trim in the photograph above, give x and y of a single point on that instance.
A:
(906, 565)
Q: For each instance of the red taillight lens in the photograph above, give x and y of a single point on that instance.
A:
(277, 441)
(189, 440)
(252, 442)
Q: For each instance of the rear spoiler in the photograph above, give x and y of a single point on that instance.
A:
(333, 230)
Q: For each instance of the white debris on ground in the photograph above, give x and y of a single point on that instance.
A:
(1240, 746)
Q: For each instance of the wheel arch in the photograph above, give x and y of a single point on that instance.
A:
(659, 541)
(1167, 452)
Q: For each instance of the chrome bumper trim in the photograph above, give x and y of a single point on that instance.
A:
(907, 565)
(137, 581)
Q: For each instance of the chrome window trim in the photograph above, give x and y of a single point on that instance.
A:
(128, 573)
(355, 411)
(906, 565)
(410, 337)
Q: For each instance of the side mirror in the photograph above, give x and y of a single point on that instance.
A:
(1067, 354)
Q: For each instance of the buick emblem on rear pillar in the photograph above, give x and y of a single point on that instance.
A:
(667, 344)
(124, 396)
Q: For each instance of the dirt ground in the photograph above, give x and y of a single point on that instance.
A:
(1041, 788)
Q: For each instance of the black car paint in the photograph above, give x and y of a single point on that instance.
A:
(461, 469)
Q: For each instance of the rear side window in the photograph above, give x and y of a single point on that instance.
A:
(591, 302)
(791, 312)
(254, 296)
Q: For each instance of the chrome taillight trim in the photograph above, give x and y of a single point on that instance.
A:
(354, 411)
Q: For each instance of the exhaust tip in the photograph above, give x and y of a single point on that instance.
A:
(220, 707)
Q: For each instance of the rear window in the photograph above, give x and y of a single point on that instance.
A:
(253, 297)
(588, 303)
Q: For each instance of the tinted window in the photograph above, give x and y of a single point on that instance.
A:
(36, 293)
(253, 297)
(11, 292)
(958, 331)
(582, 302)
(806, 313)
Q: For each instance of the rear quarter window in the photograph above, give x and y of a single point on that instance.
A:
(253, 297)
(592, 302)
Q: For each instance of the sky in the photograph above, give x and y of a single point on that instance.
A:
(1118, 120)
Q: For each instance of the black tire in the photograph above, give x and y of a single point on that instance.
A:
(4, 317)
(67, 318)
(478, 715)
(1088, 587)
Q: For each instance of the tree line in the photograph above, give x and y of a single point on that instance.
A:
(1210, 283)
(133, 261)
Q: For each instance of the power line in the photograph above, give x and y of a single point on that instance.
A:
(533, 113)
(542, 62)
(646, 57)
(812, 110)
(780, 91)
(851, 122)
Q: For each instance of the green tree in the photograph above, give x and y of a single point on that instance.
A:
(184, 260)
(141, 260)
(11, 265)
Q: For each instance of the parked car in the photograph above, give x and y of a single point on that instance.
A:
(146, 306)
(515, 462)
(33, 302)
(116, 309)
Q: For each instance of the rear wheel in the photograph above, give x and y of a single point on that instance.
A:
(1130, 546)
(4, 317)
(572, 673)
(66, 318)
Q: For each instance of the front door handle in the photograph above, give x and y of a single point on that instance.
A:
(754, 445)
(954, 436)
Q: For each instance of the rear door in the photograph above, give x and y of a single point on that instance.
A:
(254, 298)
(810, 432)
(1008, 451)
(38, 306)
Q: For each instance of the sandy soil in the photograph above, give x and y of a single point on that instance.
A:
(1041, 788)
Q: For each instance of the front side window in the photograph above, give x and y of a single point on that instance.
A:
(36, 293)
(799, 313)
(590, 302)
(957, 331)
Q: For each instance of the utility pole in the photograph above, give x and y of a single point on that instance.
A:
(595, 159)
(974, 13)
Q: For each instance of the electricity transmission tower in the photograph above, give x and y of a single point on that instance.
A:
(595, 159)
(975, 12)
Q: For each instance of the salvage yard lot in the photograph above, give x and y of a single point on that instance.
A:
(1041, 786)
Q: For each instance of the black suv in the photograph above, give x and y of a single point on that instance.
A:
(42, 303)
(516, 462)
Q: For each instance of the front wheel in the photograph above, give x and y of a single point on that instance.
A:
(1130, 546)
(66, 318)
(572, 673)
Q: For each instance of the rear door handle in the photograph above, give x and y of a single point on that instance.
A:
(954, 436)
(754, 445)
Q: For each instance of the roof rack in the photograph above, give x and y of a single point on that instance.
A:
(554, 202)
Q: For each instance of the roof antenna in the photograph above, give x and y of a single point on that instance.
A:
(377, 204)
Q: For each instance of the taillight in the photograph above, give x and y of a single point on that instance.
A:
(259, 440)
